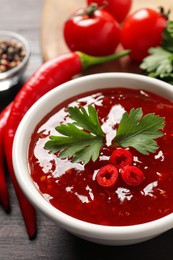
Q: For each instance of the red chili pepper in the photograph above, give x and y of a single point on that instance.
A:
(107, 176)
(132, 175)
(121, 157)
(4, 195)
(47, 77)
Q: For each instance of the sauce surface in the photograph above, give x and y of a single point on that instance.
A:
(72, 187)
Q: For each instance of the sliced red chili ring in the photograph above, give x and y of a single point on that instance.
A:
(132, 175)
(107, 176)
(121, 157)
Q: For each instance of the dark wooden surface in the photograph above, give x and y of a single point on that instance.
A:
(52, 242)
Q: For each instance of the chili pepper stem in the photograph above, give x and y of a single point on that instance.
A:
(88, 61)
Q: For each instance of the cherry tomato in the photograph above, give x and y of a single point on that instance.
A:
(96, 33)
(118, 8)
(142, 30)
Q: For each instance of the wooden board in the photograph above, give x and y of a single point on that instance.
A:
(55, 13)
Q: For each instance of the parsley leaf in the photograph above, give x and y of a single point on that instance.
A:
(88, 121)
(139, 132)
(167, 43)
(159, 62)
(76, 143)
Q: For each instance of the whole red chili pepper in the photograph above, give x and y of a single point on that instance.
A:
(47, 77)
(4, 195)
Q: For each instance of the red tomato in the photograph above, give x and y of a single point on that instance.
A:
(118, 8)
(142, 30)
(97, 34)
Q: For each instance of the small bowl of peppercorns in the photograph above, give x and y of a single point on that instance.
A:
(14, 57)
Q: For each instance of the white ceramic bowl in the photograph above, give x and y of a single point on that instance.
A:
(96, 233)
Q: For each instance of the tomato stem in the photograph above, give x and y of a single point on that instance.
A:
(90, 10)
(164, 13)
(88, 60)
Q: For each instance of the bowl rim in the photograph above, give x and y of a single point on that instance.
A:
(19, 38)
(122, 232)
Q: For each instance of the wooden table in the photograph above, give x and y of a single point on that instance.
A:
(52, 242)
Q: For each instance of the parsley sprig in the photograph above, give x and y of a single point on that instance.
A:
(76, 142)
(159, 62)
(83, 139)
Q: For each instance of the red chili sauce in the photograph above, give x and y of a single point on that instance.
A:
(72, 187)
